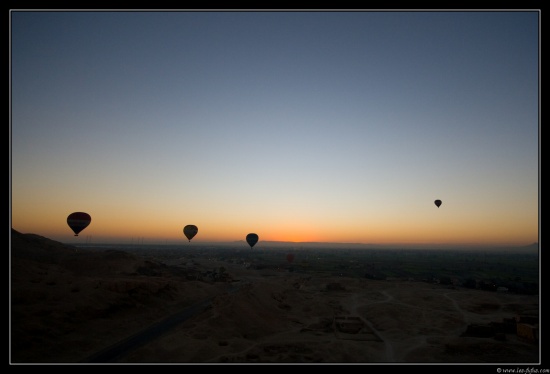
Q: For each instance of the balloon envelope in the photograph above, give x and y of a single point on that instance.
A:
(78, 221)
(252, 239)
(190, 231)
(290, 257)
(437, 203)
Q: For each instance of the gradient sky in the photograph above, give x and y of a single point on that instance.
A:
(298, 126)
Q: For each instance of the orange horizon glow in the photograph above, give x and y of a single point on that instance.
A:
(415, 224)
(413, 234)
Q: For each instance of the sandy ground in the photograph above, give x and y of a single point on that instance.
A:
(67, 305)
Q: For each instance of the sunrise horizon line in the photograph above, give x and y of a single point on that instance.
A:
(284, 243)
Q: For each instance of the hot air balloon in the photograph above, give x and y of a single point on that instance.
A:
(290, 257)
(190, 231)
(437, 203)
(78, 221)
(252, 239)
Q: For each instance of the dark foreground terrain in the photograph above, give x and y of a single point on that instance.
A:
(75, 305)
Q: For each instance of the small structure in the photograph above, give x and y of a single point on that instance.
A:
(354, 328)
(528, 332)
(348, 325)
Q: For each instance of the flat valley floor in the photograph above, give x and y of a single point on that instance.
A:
(67, 305)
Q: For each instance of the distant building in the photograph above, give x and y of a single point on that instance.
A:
(528, 332)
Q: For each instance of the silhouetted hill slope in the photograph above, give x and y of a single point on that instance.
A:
(35, 250)
(89, 297)
(36, 247)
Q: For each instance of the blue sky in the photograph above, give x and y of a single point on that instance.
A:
(301, 126)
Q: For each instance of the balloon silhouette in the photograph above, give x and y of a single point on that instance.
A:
(290, 257)
(437, 203)
(190, 231)
(252, 239)
(78, 221)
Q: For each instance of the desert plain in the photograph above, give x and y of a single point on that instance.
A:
(91, 306)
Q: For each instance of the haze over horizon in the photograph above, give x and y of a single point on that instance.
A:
(339, 127)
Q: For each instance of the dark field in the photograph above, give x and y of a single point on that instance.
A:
(483, 269)
(231, 304)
